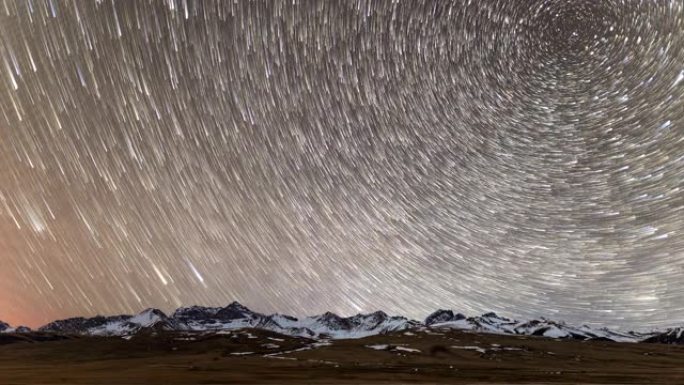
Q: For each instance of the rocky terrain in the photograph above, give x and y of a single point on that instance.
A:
(258, 356)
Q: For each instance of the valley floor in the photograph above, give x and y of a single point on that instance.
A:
(259, 357)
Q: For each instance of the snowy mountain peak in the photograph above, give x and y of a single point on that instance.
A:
(379, 314)
(670, 336)
(493, 323)
(235, 311)
(78, 325)
(148, 317)
(370, 321)
(332, 321)
(442, 315)
(195, 313)
(493, 315)
(237, 306)
(328, 315)
(375, 316)
(6, 328)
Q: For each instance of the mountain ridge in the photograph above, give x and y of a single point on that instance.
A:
(330, 325)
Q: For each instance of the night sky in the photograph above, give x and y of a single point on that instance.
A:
(519, 156)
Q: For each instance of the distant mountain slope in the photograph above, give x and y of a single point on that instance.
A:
(114, 325)
(330, 325)
(492, 323)
(6, 328)
(670, 336)
(234, 316)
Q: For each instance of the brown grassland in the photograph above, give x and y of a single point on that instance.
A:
(444, 357)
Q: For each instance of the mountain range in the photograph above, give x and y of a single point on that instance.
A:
(329, 325)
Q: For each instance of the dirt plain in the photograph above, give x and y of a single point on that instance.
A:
(260, 357)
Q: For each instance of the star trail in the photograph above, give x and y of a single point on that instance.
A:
(524, 157)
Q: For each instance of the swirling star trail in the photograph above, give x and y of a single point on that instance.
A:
(525, 157)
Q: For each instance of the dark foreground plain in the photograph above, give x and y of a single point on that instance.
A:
(259, 357)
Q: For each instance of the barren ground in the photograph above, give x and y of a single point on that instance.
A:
(452, 357)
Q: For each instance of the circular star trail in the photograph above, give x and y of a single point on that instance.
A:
(525, 157)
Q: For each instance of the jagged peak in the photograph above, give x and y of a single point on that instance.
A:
(328, 315)
(493, 316)
(152, 311)
(440, 315)
(235, 310)
(443, 315)
(237, 306)
(148, 317)
(675, 330)
(376, 314)
(490, 314)
(442, 311)
(195, 312)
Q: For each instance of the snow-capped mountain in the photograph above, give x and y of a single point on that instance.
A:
(231, 317)
(360, 325)
(670, 336)
(489, 322)
(114, 325)
(21, 329)
(80, 325)
(330, 325)
(441, 316)
(6, 328)
(492, 323)
(553, 329)
(237, 316)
